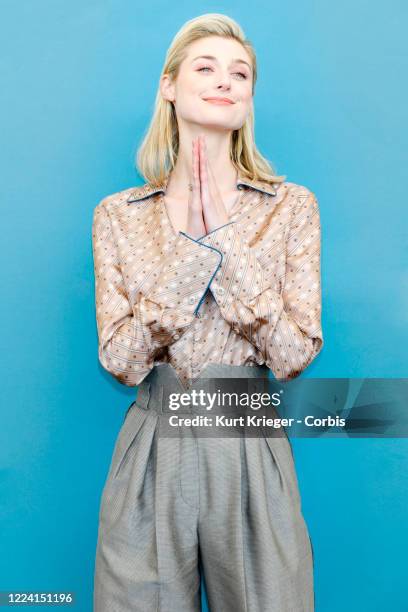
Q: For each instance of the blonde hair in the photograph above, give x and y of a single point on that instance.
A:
(158, 152)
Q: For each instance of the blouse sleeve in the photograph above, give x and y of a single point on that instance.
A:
(285, 326)
(131, 330)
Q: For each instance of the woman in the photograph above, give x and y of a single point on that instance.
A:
(211, 269)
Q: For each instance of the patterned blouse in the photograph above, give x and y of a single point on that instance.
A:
(246, 293)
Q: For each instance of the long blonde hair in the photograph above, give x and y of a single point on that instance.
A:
(158, 152)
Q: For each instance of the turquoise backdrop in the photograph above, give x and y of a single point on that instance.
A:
(78, 85)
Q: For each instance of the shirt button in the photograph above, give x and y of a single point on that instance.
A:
(191, 300)
(220, 291)
(176, 336)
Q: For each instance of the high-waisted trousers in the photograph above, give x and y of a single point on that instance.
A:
(176, 508)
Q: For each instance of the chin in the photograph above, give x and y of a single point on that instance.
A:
(210, 122)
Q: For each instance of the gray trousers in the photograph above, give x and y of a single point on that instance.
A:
(175, 508)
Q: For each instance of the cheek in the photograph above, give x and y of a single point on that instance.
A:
(186, 97)
(187, 105)
(187, 87)
(246, 95)
(246, 102)
(192, 84)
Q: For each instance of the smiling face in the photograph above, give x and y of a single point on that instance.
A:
(214, 85)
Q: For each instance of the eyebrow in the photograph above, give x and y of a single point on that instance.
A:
(234, 61)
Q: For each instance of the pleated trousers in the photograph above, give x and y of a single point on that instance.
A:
(174, 508)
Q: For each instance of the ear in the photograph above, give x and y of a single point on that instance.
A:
(167, 88)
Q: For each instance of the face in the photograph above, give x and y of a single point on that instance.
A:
(213, 91)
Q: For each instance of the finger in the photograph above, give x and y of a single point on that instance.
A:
(208, 168)
(204, 171)
(211, 181)
(195, 194)
(211, 198)
(195, 221)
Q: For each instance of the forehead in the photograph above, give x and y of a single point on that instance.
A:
(221, 48)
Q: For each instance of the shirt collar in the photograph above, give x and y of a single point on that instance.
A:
(146, 190)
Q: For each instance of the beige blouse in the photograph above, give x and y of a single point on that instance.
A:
(246, 293)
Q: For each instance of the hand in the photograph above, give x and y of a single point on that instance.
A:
(214, 211)
(195, 220)
(206, 210)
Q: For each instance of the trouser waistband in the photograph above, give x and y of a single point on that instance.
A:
(154, 390)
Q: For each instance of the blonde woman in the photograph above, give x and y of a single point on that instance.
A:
(209, 270)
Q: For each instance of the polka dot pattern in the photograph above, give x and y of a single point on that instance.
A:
(246, 293)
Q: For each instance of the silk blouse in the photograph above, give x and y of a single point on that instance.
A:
(246, 293)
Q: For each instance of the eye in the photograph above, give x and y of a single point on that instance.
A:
(242, 74)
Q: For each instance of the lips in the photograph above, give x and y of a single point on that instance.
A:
(219, 100)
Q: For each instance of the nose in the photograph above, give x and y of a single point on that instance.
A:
(224, 82)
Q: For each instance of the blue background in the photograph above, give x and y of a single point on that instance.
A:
(78, 85)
